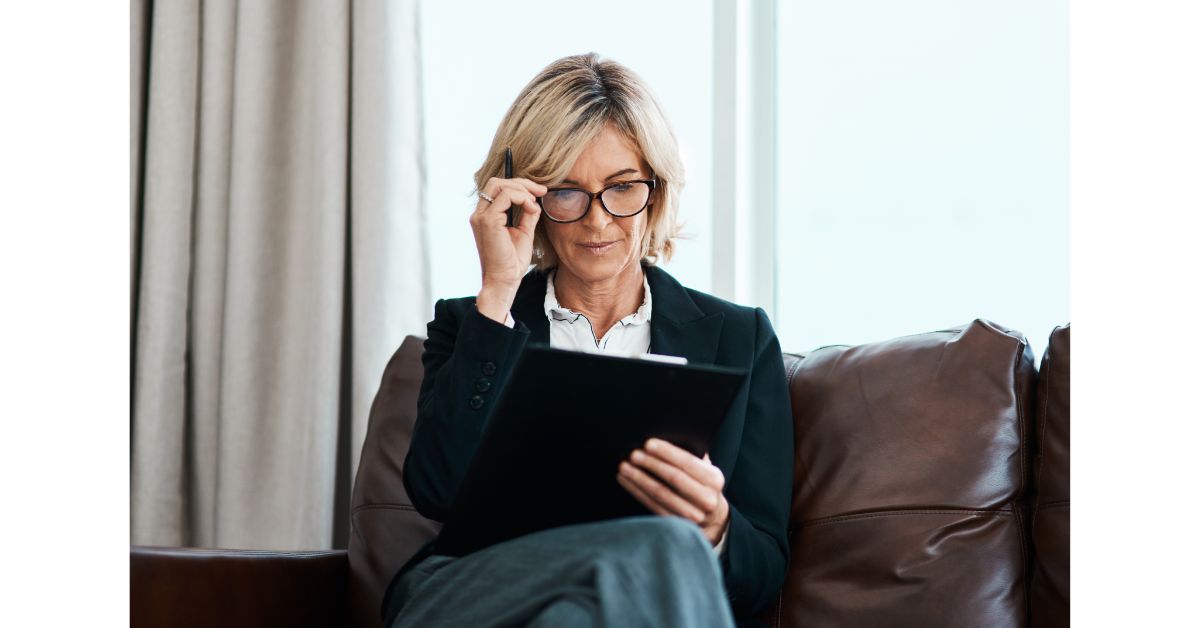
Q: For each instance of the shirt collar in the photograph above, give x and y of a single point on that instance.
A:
(556, 312)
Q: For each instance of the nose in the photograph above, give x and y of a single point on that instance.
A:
(596, 219)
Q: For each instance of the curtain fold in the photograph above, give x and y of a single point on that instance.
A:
(280, 260)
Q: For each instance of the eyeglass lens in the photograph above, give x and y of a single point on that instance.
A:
(622, 199)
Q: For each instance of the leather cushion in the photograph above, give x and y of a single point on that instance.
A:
(385, 529)
(911, 464)
(1051, 588)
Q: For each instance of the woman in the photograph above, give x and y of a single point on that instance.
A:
(596, 189)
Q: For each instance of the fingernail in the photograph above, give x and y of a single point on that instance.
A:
(637, 455)
(624, 468)
(652, 444)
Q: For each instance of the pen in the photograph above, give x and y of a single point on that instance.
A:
(508, 172)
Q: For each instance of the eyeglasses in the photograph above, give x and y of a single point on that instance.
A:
(624, 199)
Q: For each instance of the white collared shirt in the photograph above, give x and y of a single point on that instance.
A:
(572, 330)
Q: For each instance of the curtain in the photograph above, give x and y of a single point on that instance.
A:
(278, 259)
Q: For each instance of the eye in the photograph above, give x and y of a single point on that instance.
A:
(565, 195)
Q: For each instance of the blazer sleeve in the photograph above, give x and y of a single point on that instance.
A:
(759, 488)
(467, 359)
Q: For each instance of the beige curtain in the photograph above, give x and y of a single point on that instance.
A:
(278, 259)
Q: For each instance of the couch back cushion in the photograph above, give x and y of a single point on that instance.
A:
(385, 529)
(911, 463)
(1051, 589)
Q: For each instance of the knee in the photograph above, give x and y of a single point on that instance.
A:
(672, 534)
(671, 548)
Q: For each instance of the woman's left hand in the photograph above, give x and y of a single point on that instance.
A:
(672, 481)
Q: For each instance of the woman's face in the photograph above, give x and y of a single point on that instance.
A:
(609, 158)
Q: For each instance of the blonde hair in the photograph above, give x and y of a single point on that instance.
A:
(562, 109)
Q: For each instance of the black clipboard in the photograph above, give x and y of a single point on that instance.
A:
(549, 452)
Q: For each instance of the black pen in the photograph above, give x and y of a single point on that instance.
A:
(512, 214)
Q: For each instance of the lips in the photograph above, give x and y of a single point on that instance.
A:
(599, 248)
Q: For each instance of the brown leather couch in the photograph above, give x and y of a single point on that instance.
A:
(931, 489)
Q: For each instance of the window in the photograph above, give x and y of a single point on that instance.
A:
(922, 168)
(918, 150)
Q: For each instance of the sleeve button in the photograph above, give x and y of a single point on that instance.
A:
(488, 368)
(483, 384)
(476, 402)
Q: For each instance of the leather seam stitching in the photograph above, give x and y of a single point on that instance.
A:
(385, 506)
(901, 513)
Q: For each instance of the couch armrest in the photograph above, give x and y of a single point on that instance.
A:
(202, 587)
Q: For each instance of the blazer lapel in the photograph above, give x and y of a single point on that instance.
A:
(677, 326)
(529, 306)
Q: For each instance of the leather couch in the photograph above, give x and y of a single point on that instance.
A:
(931, 483)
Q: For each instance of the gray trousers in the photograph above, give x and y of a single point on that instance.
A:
(639, 571)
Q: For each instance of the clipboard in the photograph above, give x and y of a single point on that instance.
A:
(549, 451)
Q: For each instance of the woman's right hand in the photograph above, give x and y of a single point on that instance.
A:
(504, 253)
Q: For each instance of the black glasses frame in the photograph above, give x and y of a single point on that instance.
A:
(600, 195)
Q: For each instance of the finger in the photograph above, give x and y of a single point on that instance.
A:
(496, 188)
(529, 219)
(496, 184)
(661, 493)
(502, 201)
(702, 496)
(641, 496)
(510, 195)
(706, 472)
(528, 213)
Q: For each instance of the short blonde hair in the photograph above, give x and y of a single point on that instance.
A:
(562, 109)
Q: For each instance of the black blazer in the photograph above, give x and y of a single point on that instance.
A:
(468, 357)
